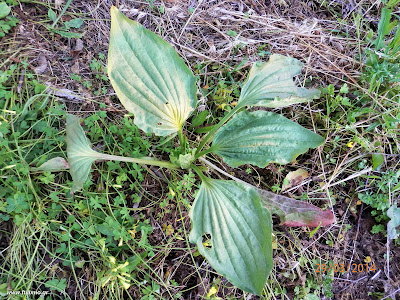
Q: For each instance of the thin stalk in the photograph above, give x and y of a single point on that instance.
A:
(199, 172)
(140, 160)
(204, 152)
(182, 141)
(61, 14)
(216, 127)
(223, 172)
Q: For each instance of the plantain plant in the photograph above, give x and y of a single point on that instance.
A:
(154, 84)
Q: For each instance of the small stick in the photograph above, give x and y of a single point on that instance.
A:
(21, 81)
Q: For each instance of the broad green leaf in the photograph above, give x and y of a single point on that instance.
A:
(393, 229)
(240, 229)
(271, 84)
(80, 153)
(4, 10)
(149, 77)
(54, 164)
(81, 156)
(295, 213)
(262, 137)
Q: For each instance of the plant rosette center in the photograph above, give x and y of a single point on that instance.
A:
(183, 160)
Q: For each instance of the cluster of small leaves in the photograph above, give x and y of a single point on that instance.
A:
(97, 80)
(6, 21)
(378, 198)
(96, 226)
(15, 155)
(382, 65)
(65, 29)
(313, 288)
(7, 24)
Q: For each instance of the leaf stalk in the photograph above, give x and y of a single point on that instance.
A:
(216, 127)
(140, 160)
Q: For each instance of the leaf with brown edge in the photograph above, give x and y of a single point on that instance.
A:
(294, 213)
(294, 178)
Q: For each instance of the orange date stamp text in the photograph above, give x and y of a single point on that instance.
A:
(344, 268)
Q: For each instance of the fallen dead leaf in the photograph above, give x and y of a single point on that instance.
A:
(75, 68)
(42, 64)
(77, 49)
(294, 178)
(64, 93)
(58, 3)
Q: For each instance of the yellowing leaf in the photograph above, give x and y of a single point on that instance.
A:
(149, 77)
(294, 212)
(168, 229)
(368, 259)
(271, 84)
(212, 291)
(294, 178)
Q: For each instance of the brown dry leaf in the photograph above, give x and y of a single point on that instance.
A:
(58, 3)
(75, 68)
(65, 93)
(294, 178)
(42, 64)
(77, 49)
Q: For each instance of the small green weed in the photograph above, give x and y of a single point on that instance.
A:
(65, 30)
(382, 65)
(384, 188)
(97, 82)
(97, 234)
(7, 22)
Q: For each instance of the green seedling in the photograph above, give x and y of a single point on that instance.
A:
(382, 68)
(65, 29)
(154, 84)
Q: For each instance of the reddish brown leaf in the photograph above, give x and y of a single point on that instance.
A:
(294, 212)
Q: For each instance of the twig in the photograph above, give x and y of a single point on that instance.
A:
(189, 19)
(388, 244)
(355, 238)
(391, 294)
(367, 170)
(353, 282)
